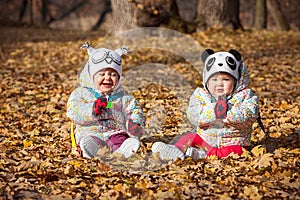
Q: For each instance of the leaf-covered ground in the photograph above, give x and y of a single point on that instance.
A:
(39, 69)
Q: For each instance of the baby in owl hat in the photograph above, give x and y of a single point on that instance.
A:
(222, 112)
(101, 111)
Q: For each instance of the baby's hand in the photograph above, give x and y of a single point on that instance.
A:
(99, 105)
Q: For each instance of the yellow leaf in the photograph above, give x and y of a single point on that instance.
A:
(76, 164)
(73, 180)
(69, 170)
(212, 157)
(265, 160)
(252, 192)
(128, 182)
(225, 196)
(82, 184)
(34, 132)
(20, 101)
(258, 150)
(141, 184)
(245, 153)
(27, 143)
(219, 180)
(284, 105)
(118, 187)
(95, 189)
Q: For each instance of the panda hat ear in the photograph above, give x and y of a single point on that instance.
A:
(236, 54)
(206, 53)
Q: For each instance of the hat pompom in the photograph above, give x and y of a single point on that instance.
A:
(88, 47)
(122, 51)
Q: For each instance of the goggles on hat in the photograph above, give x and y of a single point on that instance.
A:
(108, 56)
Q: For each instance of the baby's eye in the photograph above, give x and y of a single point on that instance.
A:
(114, 74)
(101, 74)
(214, 79)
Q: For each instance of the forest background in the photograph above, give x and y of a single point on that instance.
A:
(40, 60)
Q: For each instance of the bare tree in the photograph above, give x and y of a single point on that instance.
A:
(44, 12)
(170, 13)
(31, 11)
(107, 9)
(218, 13)
(278, 15)
(23, 10)
(260, 14)
(144, 13)
(124, 14)
(67, 12)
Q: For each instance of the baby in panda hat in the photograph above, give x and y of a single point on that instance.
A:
(103, 114)
(222, 112)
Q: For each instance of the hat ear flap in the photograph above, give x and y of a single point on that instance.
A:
(236, 54)
(206, 53)
(121, 51)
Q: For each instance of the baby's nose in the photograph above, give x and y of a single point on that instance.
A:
(107, 76)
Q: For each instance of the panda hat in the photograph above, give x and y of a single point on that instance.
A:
(216, 62)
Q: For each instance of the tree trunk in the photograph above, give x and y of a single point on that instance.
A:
(187, 9)
(23, 10)
(170, 13)
(124, 15)
(146, 13)
(67, 12)
(107, 9)
(31, 12)
(44, 12)
(260, 14)
(218, 13)
(277, 14)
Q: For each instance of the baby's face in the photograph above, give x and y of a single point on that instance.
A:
(106, 80)
(221, 84)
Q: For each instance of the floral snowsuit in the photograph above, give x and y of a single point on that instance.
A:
(110, 121)
(242, 113)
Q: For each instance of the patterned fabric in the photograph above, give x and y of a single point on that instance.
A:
(109, 121)
(134, 128)
(99, 105)
(221, 108)
(242, 113)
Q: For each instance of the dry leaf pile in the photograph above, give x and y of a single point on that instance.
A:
(39, 71)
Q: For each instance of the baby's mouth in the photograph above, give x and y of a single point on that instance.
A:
(107, 84)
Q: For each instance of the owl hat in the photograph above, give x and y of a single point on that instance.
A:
(103, 58)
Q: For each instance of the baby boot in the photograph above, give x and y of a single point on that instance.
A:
(89, 147)
(128, 147)
(167, 151)
(195, 153)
